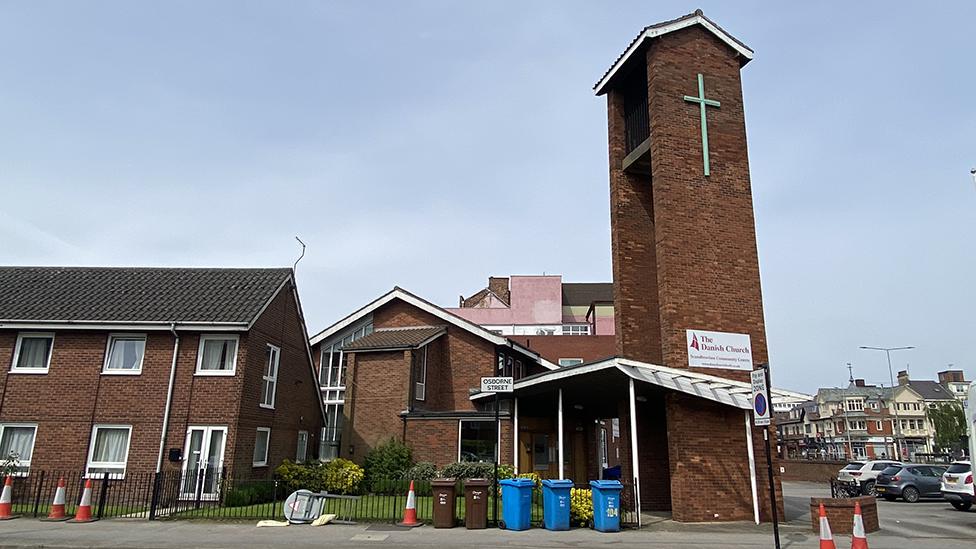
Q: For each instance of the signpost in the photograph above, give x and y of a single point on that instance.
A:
(497, 385)
(760, 418)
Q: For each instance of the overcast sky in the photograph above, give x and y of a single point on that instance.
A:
(432, 144)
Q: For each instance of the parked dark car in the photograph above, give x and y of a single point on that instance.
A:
(911, 482)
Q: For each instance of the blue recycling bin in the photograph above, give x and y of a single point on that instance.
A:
(516, 503)
(556, 504)
(606, 505)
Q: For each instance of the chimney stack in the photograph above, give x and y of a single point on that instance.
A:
(903, 377)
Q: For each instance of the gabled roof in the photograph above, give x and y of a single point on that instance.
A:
(930, 390)
(140, 296)
(586, 293)
(719, 389)
(660, 29)
(396, 338)
(430, 308)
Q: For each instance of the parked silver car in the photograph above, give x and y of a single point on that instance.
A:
(910, 481)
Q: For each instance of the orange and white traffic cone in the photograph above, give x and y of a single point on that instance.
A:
(410, 511)
(6, 499)
(57, 506)
(859, 539)
(826, 538)
(84, 508)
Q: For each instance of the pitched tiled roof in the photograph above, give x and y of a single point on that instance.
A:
(930, 390)
(398, 338)
(585, 293)
(136, 294)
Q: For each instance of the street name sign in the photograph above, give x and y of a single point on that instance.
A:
(497, 384)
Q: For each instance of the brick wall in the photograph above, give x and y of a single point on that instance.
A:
(590, 348)
(840, 514)
(376, 394)
(296, 406)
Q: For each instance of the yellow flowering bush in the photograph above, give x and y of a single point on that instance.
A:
(534, 477)
(580, 505)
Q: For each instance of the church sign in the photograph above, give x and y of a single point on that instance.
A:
(719, 350)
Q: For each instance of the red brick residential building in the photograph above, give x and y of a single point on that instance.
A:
(130, 370)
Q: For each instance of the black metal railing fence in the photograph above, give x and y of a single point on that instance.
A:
(217, 494)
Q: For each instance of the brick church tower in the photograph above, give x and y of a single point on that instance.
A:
(684, 255)
(683, 231)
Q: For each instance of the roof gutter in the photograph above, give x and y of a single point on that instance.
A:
(121, 326)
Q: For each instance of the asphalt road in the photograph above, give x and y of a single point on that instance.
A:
(934, 525)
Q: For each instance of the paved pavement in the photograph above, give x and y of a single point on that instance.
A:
(920, 526)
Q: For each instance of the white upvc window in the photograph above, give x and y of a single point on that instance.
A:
(17, 446)
(124, 354)
(570, 361)
(262, 440)
(32, 353)
(420, 385)
(217, 355)
(109, 450)
(576, 329)
(269, 381)
(301, 453)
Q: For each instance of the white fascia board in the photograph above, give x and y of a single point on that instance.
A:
(268, 302)
(558, 373)
(660, 31)
(123, 326)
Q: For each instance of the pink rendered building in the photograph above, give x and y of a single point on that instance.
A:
(540, 305)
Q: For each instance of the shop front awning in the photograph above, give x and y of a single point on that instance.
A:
(737, 394)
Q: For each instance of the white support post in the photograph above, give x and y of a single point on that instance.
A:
(752, 468)
(634, 462)
(559, 437)
(515, 439)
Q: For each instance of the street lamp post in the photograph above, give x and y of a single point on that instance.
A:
(891, 378)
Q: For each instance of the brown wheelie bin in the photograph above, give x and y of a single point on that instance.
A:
(444, 506)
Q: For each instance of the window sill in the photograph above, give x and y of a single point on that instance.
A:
(260, 464)
(33, 371)
(121, 372)
(266, 407)
(214, 373)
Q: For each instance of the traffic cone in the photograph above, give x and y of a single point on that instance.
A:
(6, 499)
(57, 506)
(84, 508)
(858, 539)
(826, 538)
(410, 511)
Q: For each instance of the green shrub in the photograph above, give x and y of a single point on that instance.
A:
(388, 461)
(339, 476)
(298, 476)
(249, 494)
(422, 471)
(468, 469)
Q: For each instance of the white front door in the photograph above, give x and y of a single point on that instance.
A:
(203, 460)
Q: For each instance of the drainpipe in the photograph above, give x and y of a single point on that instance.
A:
(169, 397)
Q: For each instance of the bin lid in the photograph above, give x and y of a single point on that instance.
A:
(606, 484)
(443, 482)
(520, 482)
(556, 483)
(477, 482)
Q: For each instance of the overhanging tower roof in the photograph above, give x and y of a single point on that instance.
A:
(659, 29)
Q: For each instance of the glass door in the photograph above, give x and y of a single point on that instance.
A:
(203, 461)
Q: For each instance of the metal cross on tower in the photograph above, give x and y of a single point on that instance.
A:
(702, 102)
